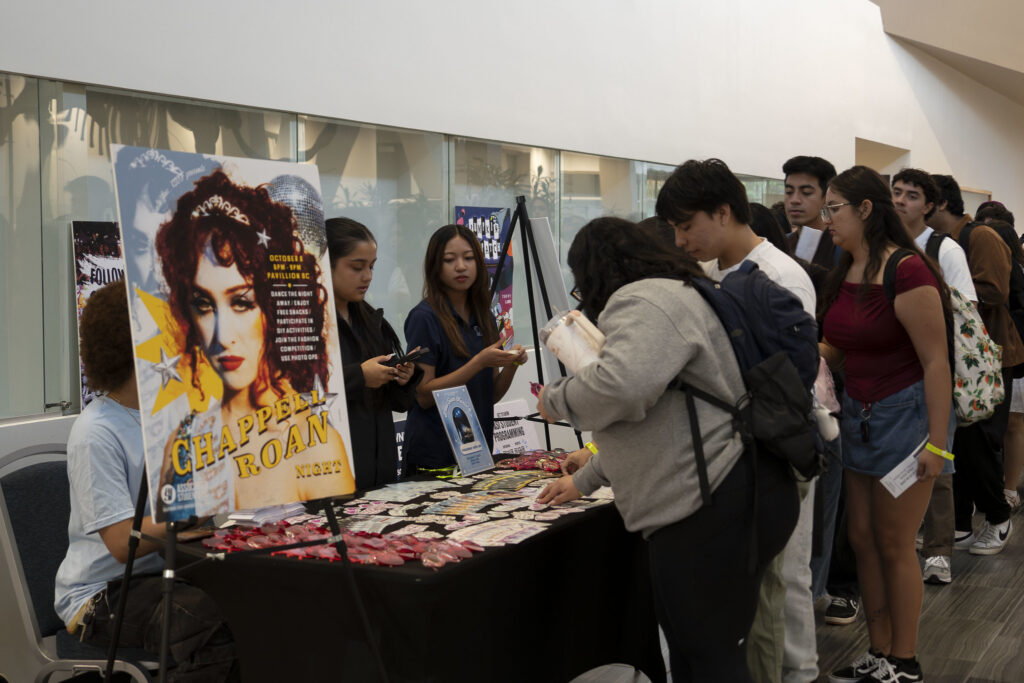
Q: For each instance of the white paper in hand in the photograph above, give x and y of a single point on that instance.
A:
(904, 475)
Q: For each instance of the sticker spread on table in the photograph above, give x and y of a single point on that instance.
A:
(405, 491)
(464, 503)
(904, 475)
(412, 529)
(513, 481)
(462, 426)
(375, 524)
(499, 532)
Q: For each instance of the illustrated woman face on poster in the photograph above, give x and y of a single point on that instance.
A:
(217, 254)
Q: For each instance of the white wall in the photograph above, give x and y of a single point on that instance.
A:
(752, 81)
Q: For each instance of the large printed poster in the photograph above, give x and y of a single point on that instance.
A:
(236, 348)
(491, 225)
(98, 262)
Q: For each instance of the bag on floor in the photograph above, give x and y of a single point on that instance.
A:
(976, 362)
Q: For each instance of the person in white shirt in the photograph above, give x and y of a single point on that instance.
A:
(707, 207)
(916, 198)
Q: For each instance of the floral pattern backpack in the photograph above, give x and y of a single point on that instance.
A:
(976, 362)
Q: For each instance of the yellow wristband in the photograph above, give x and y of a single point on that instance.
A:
(591, 447)
(937, 451)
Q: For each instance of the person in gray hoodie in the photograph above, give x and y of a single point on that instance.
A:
(659, 329)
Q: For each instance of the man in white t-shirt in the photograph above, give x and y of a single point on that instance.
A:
(916, 197)
(711, 218)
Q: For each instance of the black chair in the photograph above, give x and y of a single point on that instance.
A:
(35, 507)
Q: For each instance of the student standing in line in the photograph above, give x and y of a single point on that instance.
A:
(373, 388)
(659, 329)
(897, 402)
(707, 206)
(916, 196)
(454, 324)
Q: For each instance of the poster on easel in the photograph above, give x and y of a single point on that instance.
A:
(491, 226)
(98, 262)
(462, 426)
(237, 358)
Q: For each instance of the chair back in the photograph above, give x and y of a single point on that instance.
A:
(35, 507)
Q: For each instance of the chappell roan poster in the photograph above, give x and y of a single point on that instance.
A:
(491, 225)
(236, 348)
(98, 262)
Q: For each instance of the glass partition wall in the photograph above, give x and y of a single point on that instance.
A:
(402, 184)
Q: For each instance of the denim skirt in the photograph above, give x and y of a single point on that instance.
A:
(896, 425)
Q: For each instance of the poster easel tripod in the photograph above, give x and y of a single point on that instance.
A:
(521, 217)
(170, 544)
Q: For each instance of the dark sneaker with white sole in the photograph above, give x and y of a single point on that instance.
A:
(841, 611)
(892, 670)
(863, 666)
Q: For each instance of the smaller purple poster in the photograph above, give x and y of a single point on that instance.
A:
(491, 225)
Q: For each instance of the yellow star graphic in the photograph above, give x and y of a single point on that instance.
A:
(171, 340)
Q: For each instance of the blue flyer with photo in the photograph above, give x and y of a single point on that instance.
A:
(463, 429)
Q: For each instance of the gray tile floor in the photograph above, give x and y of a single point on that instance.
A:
(971, 631)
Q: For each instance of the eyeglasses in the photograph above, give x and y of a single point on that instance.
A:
(826, 211)
(575, 294)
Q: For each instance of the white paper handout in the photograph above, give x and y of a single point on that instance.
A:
(904, 475)
(807, 243)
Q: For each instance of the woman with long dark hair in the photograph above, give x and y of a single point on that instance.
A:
(454, 324)
(658, 330)
(374, 388)
(896, 403)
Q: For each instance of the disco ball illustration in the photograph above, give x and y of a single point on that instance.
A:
(302, 198)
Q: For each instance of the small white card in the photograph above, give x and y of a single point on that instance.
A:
(904, 475)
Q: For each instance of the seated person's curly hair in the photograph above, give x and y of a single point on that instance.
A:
(105, 338)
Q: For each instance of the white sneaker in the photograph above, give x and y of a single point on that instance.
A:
(936, 570)
(993, 539)
(963, 540)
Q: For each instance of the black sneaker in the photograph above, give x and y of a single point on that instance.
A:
(893, 670)
(863, 666)
(842, 611)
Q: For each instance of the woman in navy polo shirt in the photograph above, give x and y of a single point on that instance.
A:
(454, 324)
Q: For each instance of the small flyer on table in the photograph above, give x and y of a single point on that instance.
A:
(463, 429)
(236, 346)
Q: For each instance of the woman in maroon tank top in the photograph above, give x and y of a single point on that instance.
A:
(896, 400)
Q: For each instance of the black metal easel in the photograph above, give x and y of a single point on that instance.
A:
(521, 216)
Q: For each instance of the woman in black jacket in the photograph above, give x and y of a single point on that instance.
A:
(373, 388)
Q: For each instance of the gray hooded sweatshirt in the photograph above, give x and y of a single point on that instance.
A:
(657, 330)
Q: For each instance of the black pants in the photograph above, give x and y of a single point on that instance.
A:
(978, 479)
(842, 570)
(200, 642)
(705, 595)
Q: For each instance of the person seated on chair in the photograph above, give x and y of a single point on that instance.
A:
(105, 468)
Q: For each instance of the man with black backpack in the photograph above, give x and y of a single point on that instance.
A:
(707, 206)
(978, 480)
(916, 197)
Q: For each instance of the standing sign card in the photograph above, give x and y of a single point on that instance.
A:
(98, 262)
(463, 430)
(236, 348)
(491, 226)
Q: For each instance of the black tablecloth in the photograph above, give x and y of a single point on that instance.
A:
(572, 598)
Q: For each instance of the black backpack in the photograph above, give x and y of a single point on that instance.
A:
(776, 346)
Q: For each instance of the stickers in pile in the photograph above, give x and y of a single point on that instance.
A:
(499, 532)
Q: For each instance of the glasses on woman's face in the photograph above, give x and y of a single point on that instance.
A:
(826, 211)
(575, 294)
